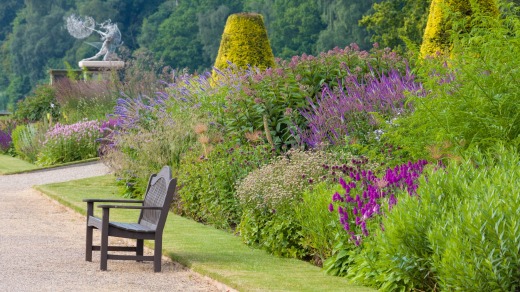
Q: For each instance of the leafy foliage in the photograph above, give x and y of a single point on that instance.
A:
(37, 106)
(299, 20)
(472, 100)
(443, 13)
(462, 225)
(208, 176)
(269, 100)
(342, 27)
(397, 24)
(320, 229)
(27, 140)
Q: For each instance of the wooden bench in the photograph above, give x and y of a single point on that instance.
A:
(149, 226)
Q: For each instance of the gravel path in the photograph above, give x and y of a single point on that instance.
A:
(42, 245)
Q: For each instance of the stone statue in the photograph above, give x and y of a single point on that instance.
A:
(110, 35)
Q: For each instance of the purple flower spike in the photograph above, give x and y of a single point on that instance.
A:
(331, 207)
(364, 228)
(343, 183)
(391, 202)
(346, 226)
(337, 197)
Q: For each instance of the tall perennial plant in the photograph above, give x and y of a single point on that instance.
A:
(269, 100)
(366, 195)
(65, 143)
(355, 107)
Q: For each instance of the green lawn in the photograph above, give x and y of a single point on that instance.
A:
(10, 164)
(211, 252)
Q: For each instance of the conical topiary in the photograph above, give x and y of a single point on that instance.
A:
(436, 37)
(244, 42)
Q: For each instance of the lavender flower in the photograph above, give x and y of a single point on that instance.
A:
(338, 112)
(5, 141)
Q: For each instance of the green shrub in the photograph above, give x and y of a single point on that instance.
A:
(27, 140)
(275, 231)
(137, 149)
(208, 176)
(461, 232)
(156, 130)
(319, 228)
(38, 106)
(473, 97)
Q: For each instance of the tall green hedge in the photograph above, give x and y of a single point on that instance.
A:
(244, 42)
(436, 35)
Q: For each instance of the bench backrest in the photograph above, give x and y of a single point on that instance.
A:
(159, 193)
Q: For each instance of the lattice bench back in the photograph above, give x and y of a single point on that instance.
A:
(157, 195)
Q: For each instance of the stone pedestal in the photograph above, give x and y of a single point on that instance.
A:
(99, 69)
(57, 74)
(101, 65)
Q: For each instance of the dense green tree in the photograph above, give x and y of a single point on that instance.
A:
(245, 42)
(395, 22)
(295, 27)
(171, 34)
(12, 86)
(341, 18)
(211, 25)
(8, 11)
(187, 33)
(263, 7)
(37, 43)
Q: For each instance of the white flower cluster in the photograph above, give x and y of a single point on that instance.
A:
(284, 179)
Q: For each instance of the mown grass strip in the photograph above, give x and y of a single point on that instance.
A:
(211, 252)
(9, 165)
(13, 165)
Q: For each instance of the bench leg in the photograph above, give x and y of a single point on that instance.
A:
(139, 248)
(104, 240)
(88, 248)
(157, 255)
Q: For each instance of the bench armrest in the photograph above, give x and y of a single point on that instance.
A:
(112, 201)
(90, 203)
(129, 207)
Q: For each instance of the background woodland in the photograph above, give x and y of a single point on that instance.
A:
(186, 34)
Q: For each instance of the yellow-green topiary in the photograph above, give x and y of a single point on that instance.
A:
(436, 37)
(244, 42)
